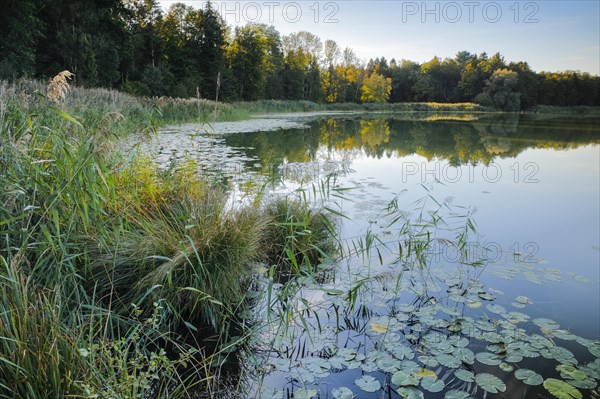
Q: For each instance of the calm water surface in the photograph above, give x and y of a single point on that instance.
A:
(532, 189)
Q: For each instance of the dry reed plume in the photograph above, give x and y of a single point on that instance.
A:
(59, 87)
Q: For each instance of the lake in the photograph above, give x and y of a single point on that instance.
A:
(470, 263)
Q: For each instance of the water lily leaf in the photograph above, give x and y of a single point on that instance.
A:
(379, 328)
(465, 355)
(369, 367)
(534, 278)
(424, 373)
(304, 393)
(302, 375)
(433, 384)
(342, 393)
(451, 311)
(594, 348)
(582, 279)
(402, 352)
(406, 308)
(410, 393)
(521, 302)
(388, 364)
(497, 309)
(457, 341)
(546, 324)
(317, 365)
(368, 383)
(562, 355)
(493, 337)
(513, 358)
(591, 371)
(409, 366)
(474, 304)
(456, 394)
(564, 334)
(561, 389)
(464, 375)
(449, 361)
(429, 361)
(485, 296)
(539, 342)
(506, 367)
(271, 393)
(583, 384)
(402, 378)
(337, 362)
(529, 377)
(488, 358)
(490, 383)
(568, 371)
(516, 317)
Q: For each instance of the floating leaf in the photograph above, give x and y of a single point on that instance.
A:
(546, 324)
(410, 393)
(424, 373)
(516, 317)
(429, 361)
(432, 384)
(456, 394)
(562, 355)
(488, 358)
(304, 393)
(583, 384)
(449, 361)
(465, 355)
(401, 352)
(564, 334)
(271, 393)
(409, 366)
(302, 375)
(506, 367)
(490, 383)
(388, 364)
(594, 348)
(402, 378)
(342, 393)
(368, 383)
(561, 389)
(318, 366)
(582, 279)
(474, 304)
(497, 309)
(529, 377)
(465, 375)
(457, 341)
(485, 296)
(568, 371)
(379, 328)
(369, 367)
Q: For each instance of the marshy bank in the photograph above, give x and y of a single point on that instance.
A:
(109, 260)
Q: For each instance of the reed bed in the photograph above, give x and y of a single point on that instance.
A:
(113, 270)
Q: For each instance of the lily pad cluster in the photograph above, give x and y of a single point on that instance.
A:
(414, 331)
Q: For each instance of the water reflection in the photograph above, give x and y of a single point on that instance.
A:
(558, 215)
(459, 142)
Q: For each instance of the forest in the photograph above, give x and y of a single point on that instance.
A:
(136, 47)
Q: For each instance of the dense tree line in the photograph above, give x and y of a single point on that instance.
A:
(135, 46)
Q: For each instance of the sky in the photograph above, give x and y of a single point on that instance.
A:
(551, 35)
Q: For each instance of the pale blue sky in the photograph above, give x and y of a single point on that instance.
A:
(551, 35)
